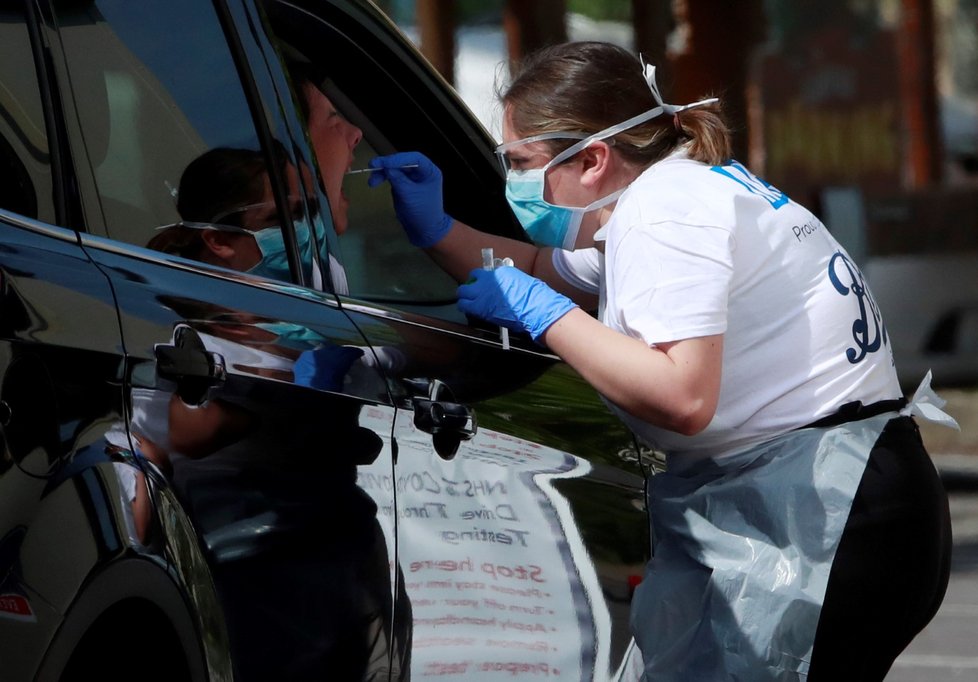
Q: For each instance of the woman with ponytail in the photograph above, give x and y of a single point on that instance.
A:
(800, 531)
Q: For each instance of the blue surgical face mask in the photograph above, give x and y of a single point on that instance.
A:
(274, 263)
(553, 224)
(546, 223)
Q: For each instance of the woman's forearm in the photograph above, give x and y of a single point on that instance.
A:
(674, 386)
(460, 252)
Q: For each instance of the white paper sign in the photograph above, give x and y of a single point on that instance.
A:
(498, 577)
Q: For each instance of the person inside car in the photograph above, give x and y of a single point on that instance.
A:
(333, 138)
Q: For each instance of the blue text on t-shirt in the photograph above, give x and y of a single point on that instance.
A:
(868, 331)
(739, 174)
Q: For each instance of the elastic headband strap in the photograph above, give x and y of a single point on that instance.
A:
(648, 71)
(556, 135)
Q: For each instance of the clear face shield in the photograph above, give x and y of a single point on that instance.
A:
(514, 153)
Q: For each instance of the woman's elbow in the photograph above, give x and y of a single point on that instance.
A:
(692, 418)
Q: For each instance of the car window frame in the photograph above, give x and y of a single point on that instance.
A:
(65, 199)
(276, 118)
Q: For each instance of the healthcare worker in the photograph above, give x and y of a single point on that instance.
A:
(801, 531)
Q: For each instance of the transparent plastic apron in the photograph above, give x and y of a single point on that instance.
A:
(743, 551)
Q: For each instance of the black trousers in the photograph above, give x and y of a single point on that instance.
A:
(892, 566)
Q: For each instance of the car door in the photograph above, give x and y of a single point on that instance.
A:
(250, 391)
(71, 496)
(60, 396)
(521, 527)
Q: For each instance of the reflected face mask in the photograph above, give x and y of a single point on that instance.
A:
(293, 335)
(274, 263)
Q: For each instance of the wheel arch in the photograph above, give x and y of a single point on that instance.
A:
(130, 612)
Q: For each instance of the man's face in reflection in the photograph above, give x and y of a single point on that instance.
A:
(333, 139)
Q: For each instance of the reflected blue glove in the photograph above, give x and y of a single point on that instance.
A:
(325, 367)
(511, 298)
(417, 195)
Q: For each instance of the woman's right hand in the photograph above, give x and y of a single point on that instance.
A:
(417, 194)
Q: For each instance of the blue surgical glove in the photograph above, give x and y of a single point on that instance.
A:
(325, 367)
(511, 298)
(417, 195)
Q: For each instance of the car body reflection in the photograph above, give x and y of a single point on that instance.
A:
(297, 555)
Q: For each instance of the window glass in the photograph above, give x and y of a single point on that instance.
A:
(176, 162)
(25, 165)
(381, 263)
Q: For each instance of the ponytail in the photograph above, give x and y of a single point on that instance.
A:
(586, 87)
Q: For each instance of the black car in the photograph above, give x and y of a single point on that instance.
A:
(312, 469)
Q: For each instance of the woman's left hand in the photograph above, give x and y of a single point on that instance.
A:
(511, 298)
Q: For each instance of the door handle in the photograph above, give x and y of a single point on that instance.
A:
(187, 362)
(448, 422)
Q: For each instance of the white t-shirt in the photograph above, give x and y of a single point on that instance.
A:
(337, 275)
(693, 250)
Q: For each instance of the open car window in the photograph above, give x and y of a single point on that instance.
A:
(378, 84)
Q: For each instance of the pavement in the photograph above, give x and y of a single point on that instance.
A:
(955, 453)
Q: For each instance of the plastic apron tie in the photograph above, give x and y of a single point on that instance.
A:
(927, 405)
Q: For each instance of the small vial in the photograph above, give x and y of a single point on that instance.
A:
(489, 263)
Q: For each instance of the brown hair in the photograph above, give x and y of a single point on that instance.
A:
(219, 181)
(211, 187)
(586, 87)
